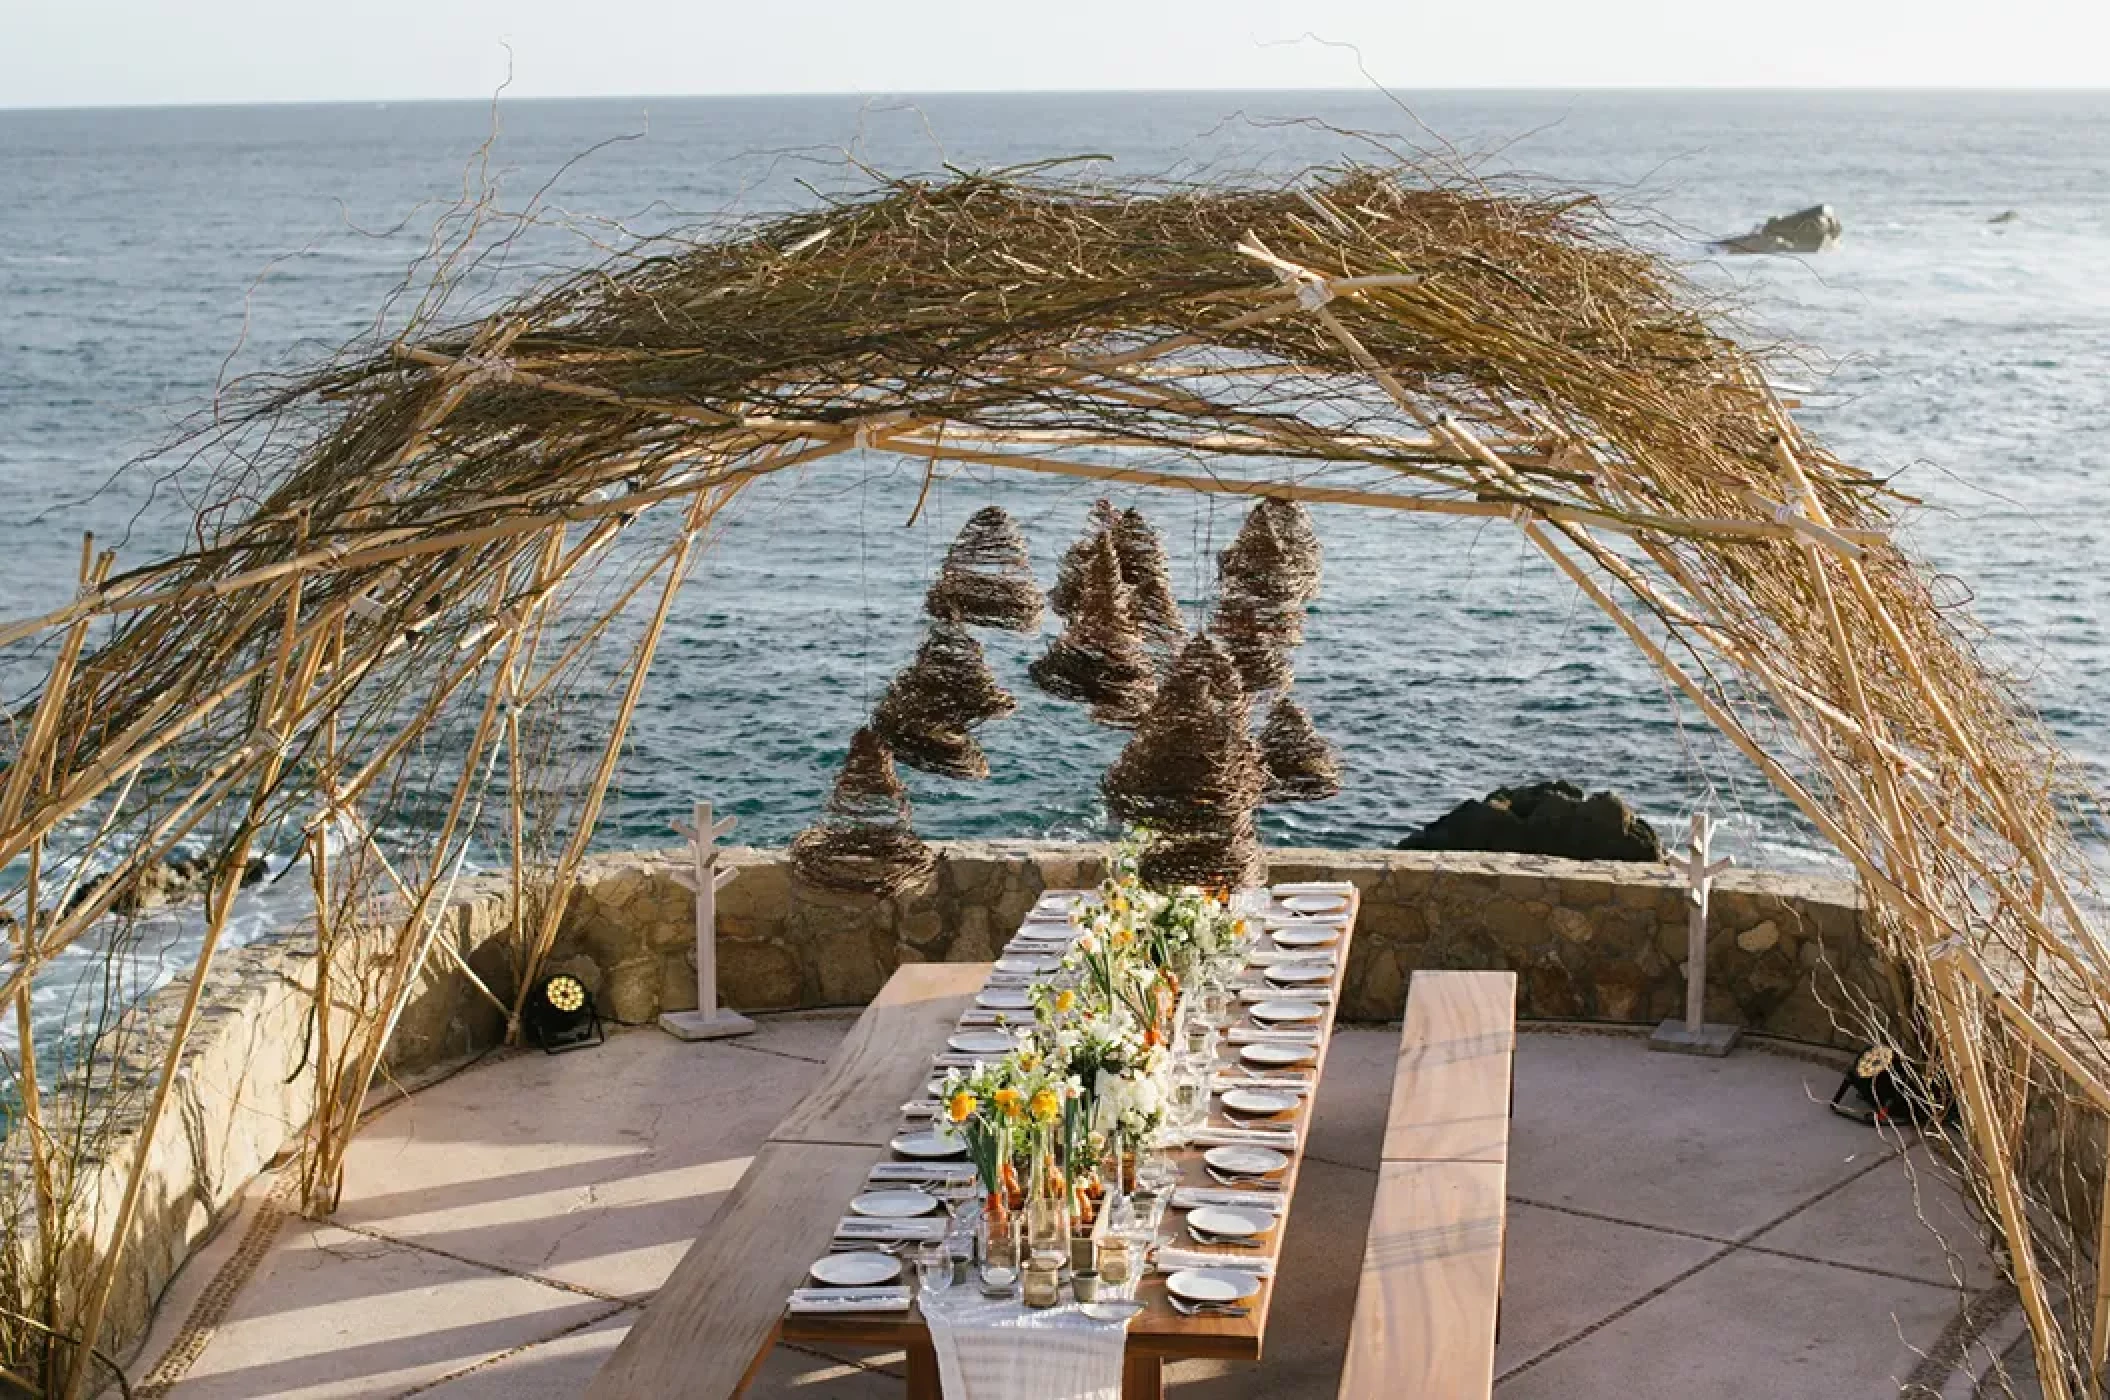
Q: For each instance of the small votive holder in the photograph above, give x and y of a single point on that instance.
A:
(1085, 1284)
(1043, 1286)
(1113, 1261)
(998, 1280)
(1082, 1256)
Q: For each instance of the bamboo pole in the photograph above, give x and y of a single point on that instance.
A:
(553, 915)
(228, 883)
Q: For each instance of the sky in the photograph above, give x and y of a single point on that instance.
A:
(128, 52)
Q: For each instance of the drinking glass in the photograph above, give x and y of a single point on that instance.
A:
(997, 1240)
(933, 1269)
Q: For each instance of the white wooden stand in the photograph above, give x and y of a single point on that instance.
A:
(708, 1021)
(1693, 1035)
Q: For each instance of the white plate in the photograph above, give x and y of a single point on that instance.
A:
(1315, 903)
(1229, 1224)
(1307, 936)
(1212, 1285)
(894, 1205)
(1245, 1161)
(1276, 1013)
(1059, 899)
(983, 1042)
(856, 1269)
(936, 1088)
(930, 1145)
(1255, 1103)
(1111, 1309)
(1302, 974)
(1273, 1056)
(1004, 999)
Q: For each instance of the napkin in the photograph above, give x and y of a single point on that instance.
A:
(1213, 1135)
(982, 1016)
(1195, 1197)
(1313, 887)
(1283, 1083)
(1265, 957)
(1253, 1035)
(1171, 1259)
(920, 1171)
(1319, 993)
(921, 1229)
(848, 1300)
(919, 1108)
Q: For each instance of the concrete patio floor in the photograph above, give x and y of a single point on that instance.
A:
(1678, 1227)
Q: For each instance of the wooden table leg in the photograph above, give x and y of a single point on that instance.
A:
(922, 1372)
(1142, 1377)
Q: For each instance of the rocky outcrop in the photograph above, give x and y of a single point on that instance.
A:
(174, 880)
(1810, 230)
(1543, 819)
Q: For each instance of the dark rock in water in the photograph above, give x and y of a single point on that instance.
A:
(174, 880)
(1543, 819)
(2011, 216)
(1810, 230)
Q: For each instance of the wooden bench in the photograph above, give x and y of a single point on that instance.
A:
(1431, 1288)
(705, 1332)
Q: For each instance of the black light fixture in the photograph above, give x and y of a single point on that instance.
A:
(561, 1015)
(1883, 1089)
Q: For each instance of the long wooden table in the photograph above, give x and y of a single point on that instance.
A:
(1158, 1334)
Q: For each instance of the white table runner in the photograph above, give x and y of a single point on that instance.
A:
(1000, 1349)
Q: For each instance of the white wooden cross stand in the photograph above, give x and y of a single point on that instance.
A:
(1693, 1035)
(709, 1021)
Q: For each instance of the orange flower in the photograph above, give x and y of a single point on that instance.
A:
(961, 1107)
(1010, 1102)
(1028, 1060)
(1046, 1105)
(1123, 937)
(1064, 1000)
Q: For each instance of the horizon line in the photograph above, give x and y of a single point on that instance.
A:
(501, 98)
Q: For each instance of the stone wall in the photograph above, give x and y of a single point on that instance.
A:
(1590, 941)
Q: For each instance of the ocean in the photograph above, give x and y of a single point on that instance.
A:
(146, 253)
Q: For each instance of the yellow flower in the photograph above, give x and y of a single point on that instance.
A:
(1046, 1105)
(1119, 904)
(1064, 1000)
(1010, 1102)
(1028, 1061)
(1123, 937)
(961, 1108)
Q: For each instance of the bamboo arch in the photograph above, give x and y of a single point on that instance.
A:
(438, 535)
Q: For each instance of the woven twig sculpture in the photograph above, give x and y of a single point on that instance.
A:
(1258, 636)
(1099, 659)
(1215, 860)
(1076, 560)
(1273, 559)
(1300, 765)
(929, 711)
(1148, 575)
(1292, 526)
(1192, 767)
(865, 843)
(987, 578)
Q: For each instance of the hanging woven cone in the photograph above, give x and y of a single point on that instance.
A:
(1258, 637)
(1300, 765)
(1300, 542)
(928, 710)
(1192, 766)
(1099, 659)
(1229, 859)
(868, 788)
(987, 578)
(1266, 564)
(1148, 575)
(865, 844)
(1077, 559)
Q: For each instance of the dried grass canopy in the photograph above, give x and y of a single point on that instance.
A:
(418, 511)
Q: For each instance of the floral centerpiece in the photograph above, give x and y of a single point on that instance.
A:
(1091, 1079)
